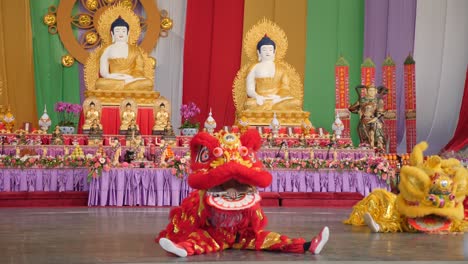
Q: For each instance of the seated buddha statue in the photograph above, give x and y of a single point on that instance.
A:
(120, 68)
(121, 65)
(161, 120)
(128, 113)
(92, 113)
(268, 83)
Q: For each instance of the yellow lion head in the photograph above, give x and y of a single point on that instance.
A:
(432, 186)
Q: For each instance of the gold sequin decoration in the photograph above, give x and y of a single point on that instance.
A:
(271, 239)
(259, 214)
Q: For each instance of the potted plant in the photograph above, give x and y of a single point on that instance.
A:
(189, 125)
(68, 114)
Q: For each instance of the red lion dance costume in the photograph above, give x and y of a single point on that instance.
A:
(224, 211)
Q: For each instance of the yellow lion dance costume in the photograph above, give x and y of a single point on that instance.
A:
(431, 198)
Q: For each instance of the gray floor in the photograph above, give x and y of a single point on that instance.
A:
(126, 235)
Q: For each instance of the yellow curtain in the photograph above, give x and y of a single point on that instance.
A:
(16, 61)
(291, 16)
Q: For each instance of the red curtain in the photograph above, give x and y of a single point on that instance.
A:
(212, 56)
(460, 138)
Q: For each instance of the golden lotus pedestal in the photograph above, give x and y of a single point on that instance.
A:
(115, 97)
(263, 118)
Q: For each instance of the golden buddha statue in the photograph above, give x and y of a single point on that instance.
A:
(267, 84)
(162, 116)
(9, 120)
(92, 113)
(119, 68)
(128, 113)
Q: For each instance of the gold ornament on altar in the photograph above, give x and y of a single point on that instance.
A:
(9, 120)
(119, 68)
(92, 110)
(267, 84)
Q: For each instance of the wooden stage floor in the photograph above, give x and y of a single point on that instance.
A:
(126, 235)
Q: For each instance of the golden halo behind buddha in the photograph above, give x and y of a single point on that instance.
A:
(258, 31)
(110, 15)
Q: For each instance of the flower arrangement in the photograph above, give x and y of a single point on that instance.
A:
(68, 113)
(188, 112)
(179, 166)
(97, 165)
(376, 165)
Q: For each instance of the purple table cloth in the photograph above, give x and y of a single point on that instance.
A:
(153, 187)
(158, 187)
(60, 179)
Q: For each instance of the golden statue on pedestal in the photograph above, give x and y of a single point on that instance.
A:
(128, 115)
(162, 116)
(92, 113)
(267, 84)
(119, 68)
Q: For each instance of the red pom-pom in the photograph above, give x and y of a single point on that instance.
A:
(251, 139)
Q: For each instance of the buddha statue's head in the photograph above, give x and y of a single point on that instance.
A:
(119, 30)
(266, 48)
(128, 106)
(162, 106)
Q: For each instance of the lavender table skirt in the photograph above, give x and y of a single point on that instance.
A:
(159, 187)
(63, 179)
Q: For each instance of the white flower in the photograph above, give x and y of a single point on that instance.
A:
(102, 160)
(183, 160)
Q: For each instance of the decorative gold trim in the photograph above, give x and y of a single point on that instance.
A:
(286, 118)
(257, 32)
(115, 97)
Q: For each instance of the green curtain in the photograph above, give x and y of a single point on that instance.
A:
(334, 28)
(53, 81)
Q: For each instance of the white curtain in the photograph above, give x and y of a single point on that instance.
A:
(441, 54)
(169, 54)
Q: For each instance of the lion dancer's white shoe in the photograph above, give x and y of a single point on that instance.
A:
(371, 223)
(318, 242)
(173, 248)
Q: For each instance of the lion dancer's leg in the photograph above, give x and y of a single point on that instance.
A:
(197, 242)
(271, 241)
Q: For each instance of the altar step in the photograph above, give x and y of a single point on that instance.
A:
(310, 199)
(273, 199)
(43, 199)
